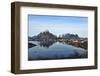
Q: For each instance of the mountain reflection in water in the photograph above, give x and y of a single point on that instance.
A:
(46, 50)
(46, 44)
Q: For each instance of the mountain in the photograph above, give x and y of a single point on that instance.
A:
(44, 36)
(30, 38)
(47, 36)
(70, 36)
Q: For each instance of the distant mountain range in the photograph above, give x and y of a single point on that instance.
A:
(47, 35)
(70, 36)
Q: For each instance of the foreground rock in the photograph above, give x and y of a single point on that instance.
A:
(31, 45)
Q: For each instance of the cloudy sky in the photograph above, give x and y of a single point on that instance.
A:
(58, 25)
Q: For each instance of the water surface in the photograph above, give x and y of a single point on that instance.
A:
(55, 50)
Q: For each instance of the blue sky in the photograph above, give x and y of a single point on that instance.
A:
(58, 25)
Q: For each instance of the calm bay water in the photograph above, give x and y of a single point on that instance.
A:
(55, 51)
